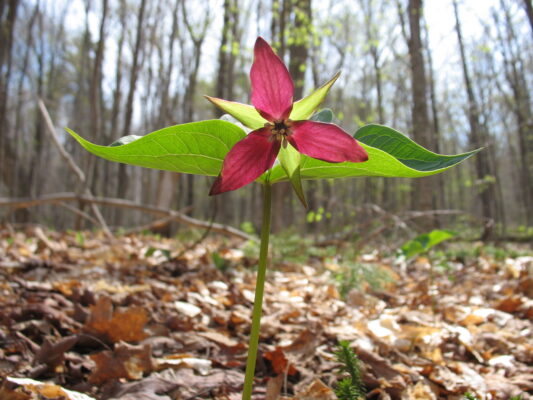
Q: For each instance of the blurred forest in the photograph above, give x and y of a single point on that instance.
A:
(112, 68)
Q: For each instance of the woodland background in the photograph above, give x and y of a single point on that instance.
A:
(111, 68)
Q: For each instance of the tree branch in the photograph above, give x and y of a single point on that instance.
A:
(70, 161)
(177, 216)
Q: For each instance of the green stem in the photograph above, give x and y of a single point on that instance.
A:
(259, 290)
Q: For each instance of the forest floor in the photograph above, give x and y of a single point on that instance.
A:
(84, 317)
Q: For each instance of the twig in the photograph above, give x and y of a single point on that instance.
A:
(79, 212)
(150, 226)
(176, 215)
(155, 223)
(70, 161)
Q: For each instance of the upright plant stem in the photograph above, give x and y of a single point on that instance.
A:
(259, 290)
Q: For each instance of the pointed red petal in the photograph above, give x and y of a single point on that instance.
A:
(272, 86)
(246, 161)
(325, 142)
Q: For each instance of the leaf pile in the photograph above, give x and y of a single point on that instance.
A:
(83, 317)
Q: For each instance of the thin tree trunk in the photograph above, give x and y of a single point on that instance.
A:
(167, 181)
(299, 49)
(477, 137)
(117, 91)
(528, 6)
(7, 29)
(520, 104)
(225, 41)
(122, 186)
(422, 195)
(188, 103)
(95, 97)
(439, 196)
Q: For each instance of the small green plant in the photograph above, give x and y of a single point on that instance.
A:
(351, 387)
(423, 243)
(248, 227)
(80, 238)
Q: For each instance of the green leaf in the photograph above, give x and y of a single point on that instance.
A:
(289, 159)
(426, 241)
(390, 154)
(406, 150)
(325, 115)
(249, 116)
(194, 148)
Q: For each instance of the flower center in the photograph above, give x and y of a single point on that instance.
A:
(280, 130)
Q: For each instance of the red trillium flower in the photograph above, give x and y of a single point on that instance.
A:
(272, 97)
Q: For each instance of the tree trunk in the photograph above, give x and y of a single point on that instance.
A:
(529, 11)
(122, 186)
(197, 38)
(520, 105)
(223, 57)
(439, 196)
(298, 50)
(7, 29)
(167, 181)
(478, 138)
(117, 91)
(95, 91)
(422, 195)
(299, 14)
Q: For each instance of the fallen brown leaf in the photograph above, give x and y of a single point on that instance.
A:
(126, 361)
(127, 326)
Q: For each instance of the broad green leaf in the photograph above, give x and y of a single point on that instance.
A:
(249, 116)
(245, 113)
(426, 241)
(289, 159)
(194, 148)
(305, 107)
(416, 162)
(325, 115)
(406, 150)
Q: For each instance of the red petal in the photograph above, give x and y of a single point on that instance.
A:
(272, 86)
(325, 142)
(246, 161)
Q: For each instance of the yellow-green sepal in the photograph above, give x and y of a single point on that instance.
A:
(289, 159)
(244, 113)
(304, 108)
